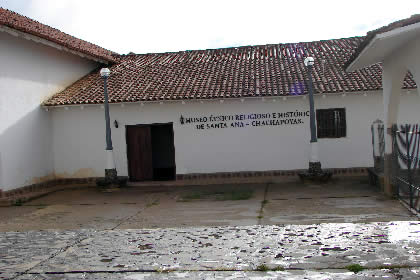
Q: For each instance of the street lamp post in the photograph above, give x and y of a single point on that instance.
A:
(315, 171)
(110, 170)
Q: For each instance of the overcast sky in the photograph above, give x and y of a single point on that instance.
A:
(173, 25)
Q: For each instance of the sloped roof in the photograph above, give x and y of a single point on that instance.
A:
(18, 22)
(251, 71)
(371, 34)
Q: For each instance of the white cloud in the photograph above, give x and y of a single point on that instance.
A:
(159, 26)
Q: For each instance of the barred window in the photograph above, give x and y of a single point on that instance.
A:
(331, 123)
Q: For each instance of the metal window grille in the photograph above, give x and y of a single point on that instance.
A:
(331, 123)
(378, 145)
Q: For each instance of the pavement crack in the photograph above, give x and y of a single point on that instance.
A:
(78, 240)
(155, 202)
(263, 203)
(127, 218)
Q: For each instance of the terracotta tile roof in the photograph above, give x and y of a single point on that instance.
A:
(21, 23)
(371, 34)
(252, 71)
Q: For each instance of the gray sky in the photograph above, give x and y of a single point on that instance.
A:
(173, 25)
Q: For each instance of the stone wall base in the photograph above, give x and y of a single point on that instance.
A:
(20, 195)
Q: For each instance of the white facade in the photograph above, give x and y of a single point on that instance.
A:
(79, 134)
(37, 145)
(30, 72)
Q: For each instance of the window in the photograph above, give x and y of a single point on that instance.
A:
(331, 123)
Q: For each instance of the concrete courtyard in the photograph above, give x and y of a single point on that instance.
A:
(280, 230)
(341, 201)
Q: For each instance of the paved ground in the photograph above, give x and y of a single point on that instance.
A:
(302, 231)
(386, 250)
(345, 200)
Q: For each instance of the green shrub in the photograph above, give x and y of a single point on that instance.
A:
(355, 268)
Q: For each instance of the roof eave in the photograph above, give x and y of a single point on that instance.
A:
(37, 39)
(380, 46)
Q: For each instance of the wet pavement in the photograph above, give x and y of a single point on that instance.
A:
(293, 230)
(315, 251)
(375, 274)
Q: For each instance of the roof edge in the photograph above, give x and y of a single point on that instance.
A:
(238, 47)
(40, 40)
(370, 36)
(11, 20)
(266, 97)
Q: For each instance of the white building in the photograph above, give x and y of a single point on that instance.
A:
(36, 61)
(218, 111)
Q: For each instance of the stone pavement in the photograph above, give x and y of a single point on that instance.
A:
(323, 251)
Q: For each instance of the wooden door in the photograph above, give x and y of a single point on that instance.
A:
(139, 153)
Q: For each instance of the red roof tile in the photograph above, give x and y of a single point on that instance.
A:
(252, 71)
(30, 26)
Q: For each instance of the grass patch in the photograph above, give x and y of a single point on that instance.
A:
(154, 203)
(278, 268)
(219, 195)
(39, 205)
(193, 196)
(18, 202)
(355, 268)
(224, 269)
(393, 266)
(262, 267)
(236, 195)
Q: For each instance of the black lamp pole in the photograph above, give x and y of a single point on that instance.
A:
(315, 171)
(311, 105)
(110, 170)
(107, 118)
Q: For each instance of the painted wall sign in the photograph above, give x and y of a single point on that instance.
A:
(246, 120)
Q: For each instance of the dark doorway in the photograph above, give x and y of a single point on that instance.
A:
(151, 152)
(163, 152)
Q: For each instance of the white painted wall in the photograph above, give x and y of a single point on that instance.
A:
(79, 135)
(395, 67)
(29, 73)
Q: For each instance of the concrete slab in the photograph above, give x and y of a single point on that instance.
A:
(175, 209)
(349, 200)
(76, 209)
(290, 202)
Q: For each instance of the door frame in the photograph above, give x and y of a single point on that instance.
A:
(150, 124)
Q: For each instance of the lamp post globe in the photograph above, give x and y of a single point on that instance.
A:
(309, 61)
(110, 170)
(105, 72)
